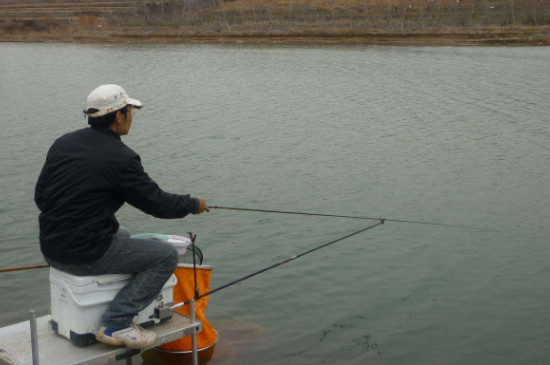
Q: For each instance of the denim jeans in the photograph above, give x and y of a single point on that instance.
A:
(151, 264)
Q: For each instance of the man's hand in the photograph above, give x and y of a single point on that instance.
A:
(203, 206)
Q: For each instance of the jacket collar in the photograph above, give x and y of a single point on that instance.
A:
(107, 131)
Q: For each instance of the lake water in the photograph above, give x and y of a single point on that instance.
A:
(450, 135)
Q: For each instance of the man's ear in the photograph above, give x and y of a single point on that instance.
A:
(119, 118)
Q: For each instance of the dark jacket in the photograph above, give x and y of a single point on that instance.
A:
(88, 175)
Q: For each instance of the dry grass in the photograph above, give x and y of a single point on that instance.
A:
(374, 21)
(402, 14)
(23, 6)
(12, 12)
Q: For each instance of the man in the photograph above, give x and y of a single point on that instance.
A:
(88, 175)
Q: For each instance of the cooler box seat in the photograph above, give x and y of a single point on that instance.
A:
(78, 302)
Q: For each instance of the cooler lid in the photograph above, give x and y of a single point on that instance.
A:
(86, 280)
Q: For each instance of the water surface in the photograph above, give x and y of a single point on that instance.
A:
(452, 135)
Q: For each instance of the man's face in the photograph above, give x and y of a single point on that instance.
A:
(125, 121)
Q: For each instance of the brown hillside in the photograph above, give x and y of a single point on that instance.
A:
(392, 14)
(427, 21)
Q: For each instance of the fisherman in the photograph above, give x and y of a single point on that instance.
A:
(88, 175)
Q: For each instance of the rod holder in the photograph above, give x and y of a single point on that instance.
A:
(194, 333)
(34, 338)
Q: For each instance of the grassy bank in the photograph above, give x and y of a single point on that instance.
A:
(399, 22)
(518, 36)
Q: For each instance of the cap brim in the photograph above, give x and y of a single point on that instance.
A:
(134, 102)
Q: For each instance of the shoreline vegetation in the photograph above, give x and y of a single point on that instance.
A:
(368, 22)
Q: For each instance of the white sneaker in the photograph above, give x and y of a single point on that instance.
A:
(133, 336)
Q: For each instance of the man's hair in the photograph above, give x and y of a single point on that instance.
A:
(106, 120)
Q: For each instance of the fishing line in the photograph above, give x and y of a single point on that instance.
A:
(345, 216)
(292, 258)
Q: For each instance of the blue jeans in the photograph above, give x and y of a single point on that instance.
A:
(151, 264)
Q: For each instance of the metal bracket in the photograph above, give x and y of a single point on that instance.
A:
(127, 355)
(163, 311)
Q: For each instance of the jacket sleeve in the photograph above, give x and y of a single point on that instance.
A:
(140, 191)
(39, 190)
(39, 197)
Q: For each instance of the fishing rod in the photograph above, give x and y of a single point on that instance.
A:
(292, 258)
(296, 213)
(343, 216)
(11, 269)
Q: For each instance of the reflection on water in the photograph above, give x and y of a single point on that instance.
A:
(236, 339)
(154, 357)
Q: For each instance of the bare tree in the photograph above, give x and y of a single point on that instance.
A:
(389, 15)
(224, 19)
(437, 15)
(512, 7)
(404, 16)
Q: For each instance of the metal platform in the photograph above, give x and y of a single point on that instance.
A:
(15, 343)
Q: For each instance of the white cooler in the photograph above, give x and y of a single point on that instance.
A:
(78, 302)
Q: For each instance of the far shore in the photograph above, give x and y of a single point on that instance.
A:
(494, 36)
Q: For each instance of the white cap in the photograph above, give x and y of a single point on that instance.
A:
(107, 99)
